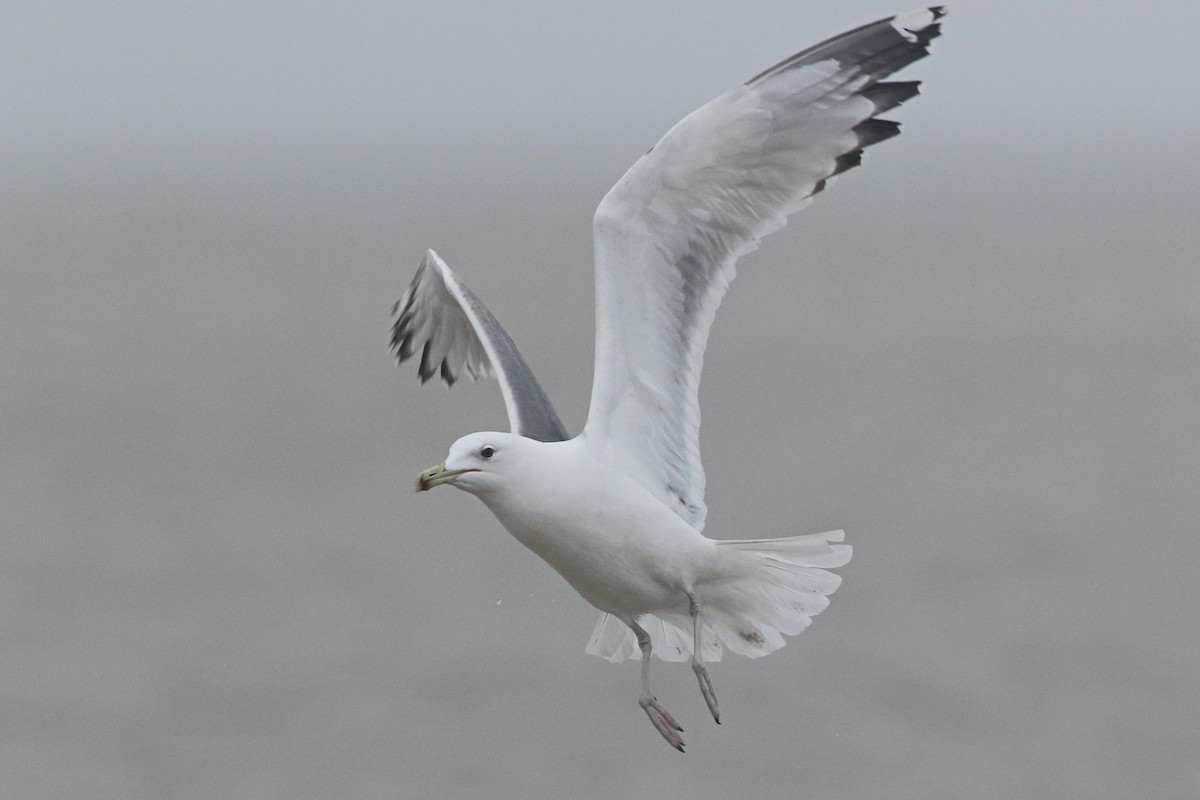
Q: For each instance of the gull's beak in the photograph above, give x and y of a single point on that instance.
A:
(436, 476)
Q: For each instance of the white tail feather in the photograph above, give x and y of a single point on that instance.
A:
(750, 613)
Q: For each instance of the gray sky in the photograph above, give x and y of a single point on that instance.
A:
(84, 76)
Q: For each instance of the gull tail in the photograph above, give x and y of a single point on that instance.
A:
(778, 586)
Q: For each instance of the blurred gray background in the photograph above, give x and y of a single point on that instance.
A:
(977, 354)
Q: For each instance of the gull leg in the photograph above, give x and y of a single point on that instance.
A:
(706, 687)
(662, 720)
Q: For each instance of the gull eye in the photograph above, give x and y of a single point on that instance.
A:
(487, 451)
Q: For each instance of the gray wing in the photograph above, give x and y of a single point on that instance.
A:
(668, 234)
(446, 323)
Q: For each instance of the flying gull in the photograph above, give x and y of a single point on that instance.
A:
(618, 510)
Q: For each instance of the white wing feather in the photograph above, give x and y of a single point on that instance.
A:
(667, 236)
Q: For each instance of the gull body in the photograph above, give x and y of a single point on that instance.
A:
(616, 543)
(618, 510)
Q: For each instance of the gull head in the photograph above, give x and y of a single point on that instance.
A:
(478, 462)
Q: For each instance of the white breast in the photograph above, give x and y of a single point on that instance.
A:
(618, 545)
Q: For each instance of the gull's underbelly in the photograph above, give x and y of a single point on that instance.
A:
(626, 557)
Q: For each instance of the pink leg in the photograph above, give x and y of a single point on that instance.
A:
(662, 720)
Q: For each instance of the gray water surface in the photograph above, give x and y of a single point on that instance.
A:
(977, 354)
(217, 581)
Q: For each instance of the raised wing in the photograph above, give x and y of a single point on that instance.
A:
(668, 234)
(454, 332)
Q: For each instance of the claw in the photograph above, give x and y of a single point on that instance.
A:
(663, 722)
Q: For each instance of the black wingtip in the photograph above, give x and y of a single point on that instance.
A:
(401, 343)
(846, 161)
(874, 130)
(447, 373)
(928, 34)
(426, 370)
(886, 95)
(869, 131)
(933, 30)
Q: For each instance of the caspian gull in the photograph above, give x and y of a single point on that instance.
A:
(618, 509)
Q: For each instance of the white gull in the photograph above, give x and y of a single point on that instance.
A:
(618, 510)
